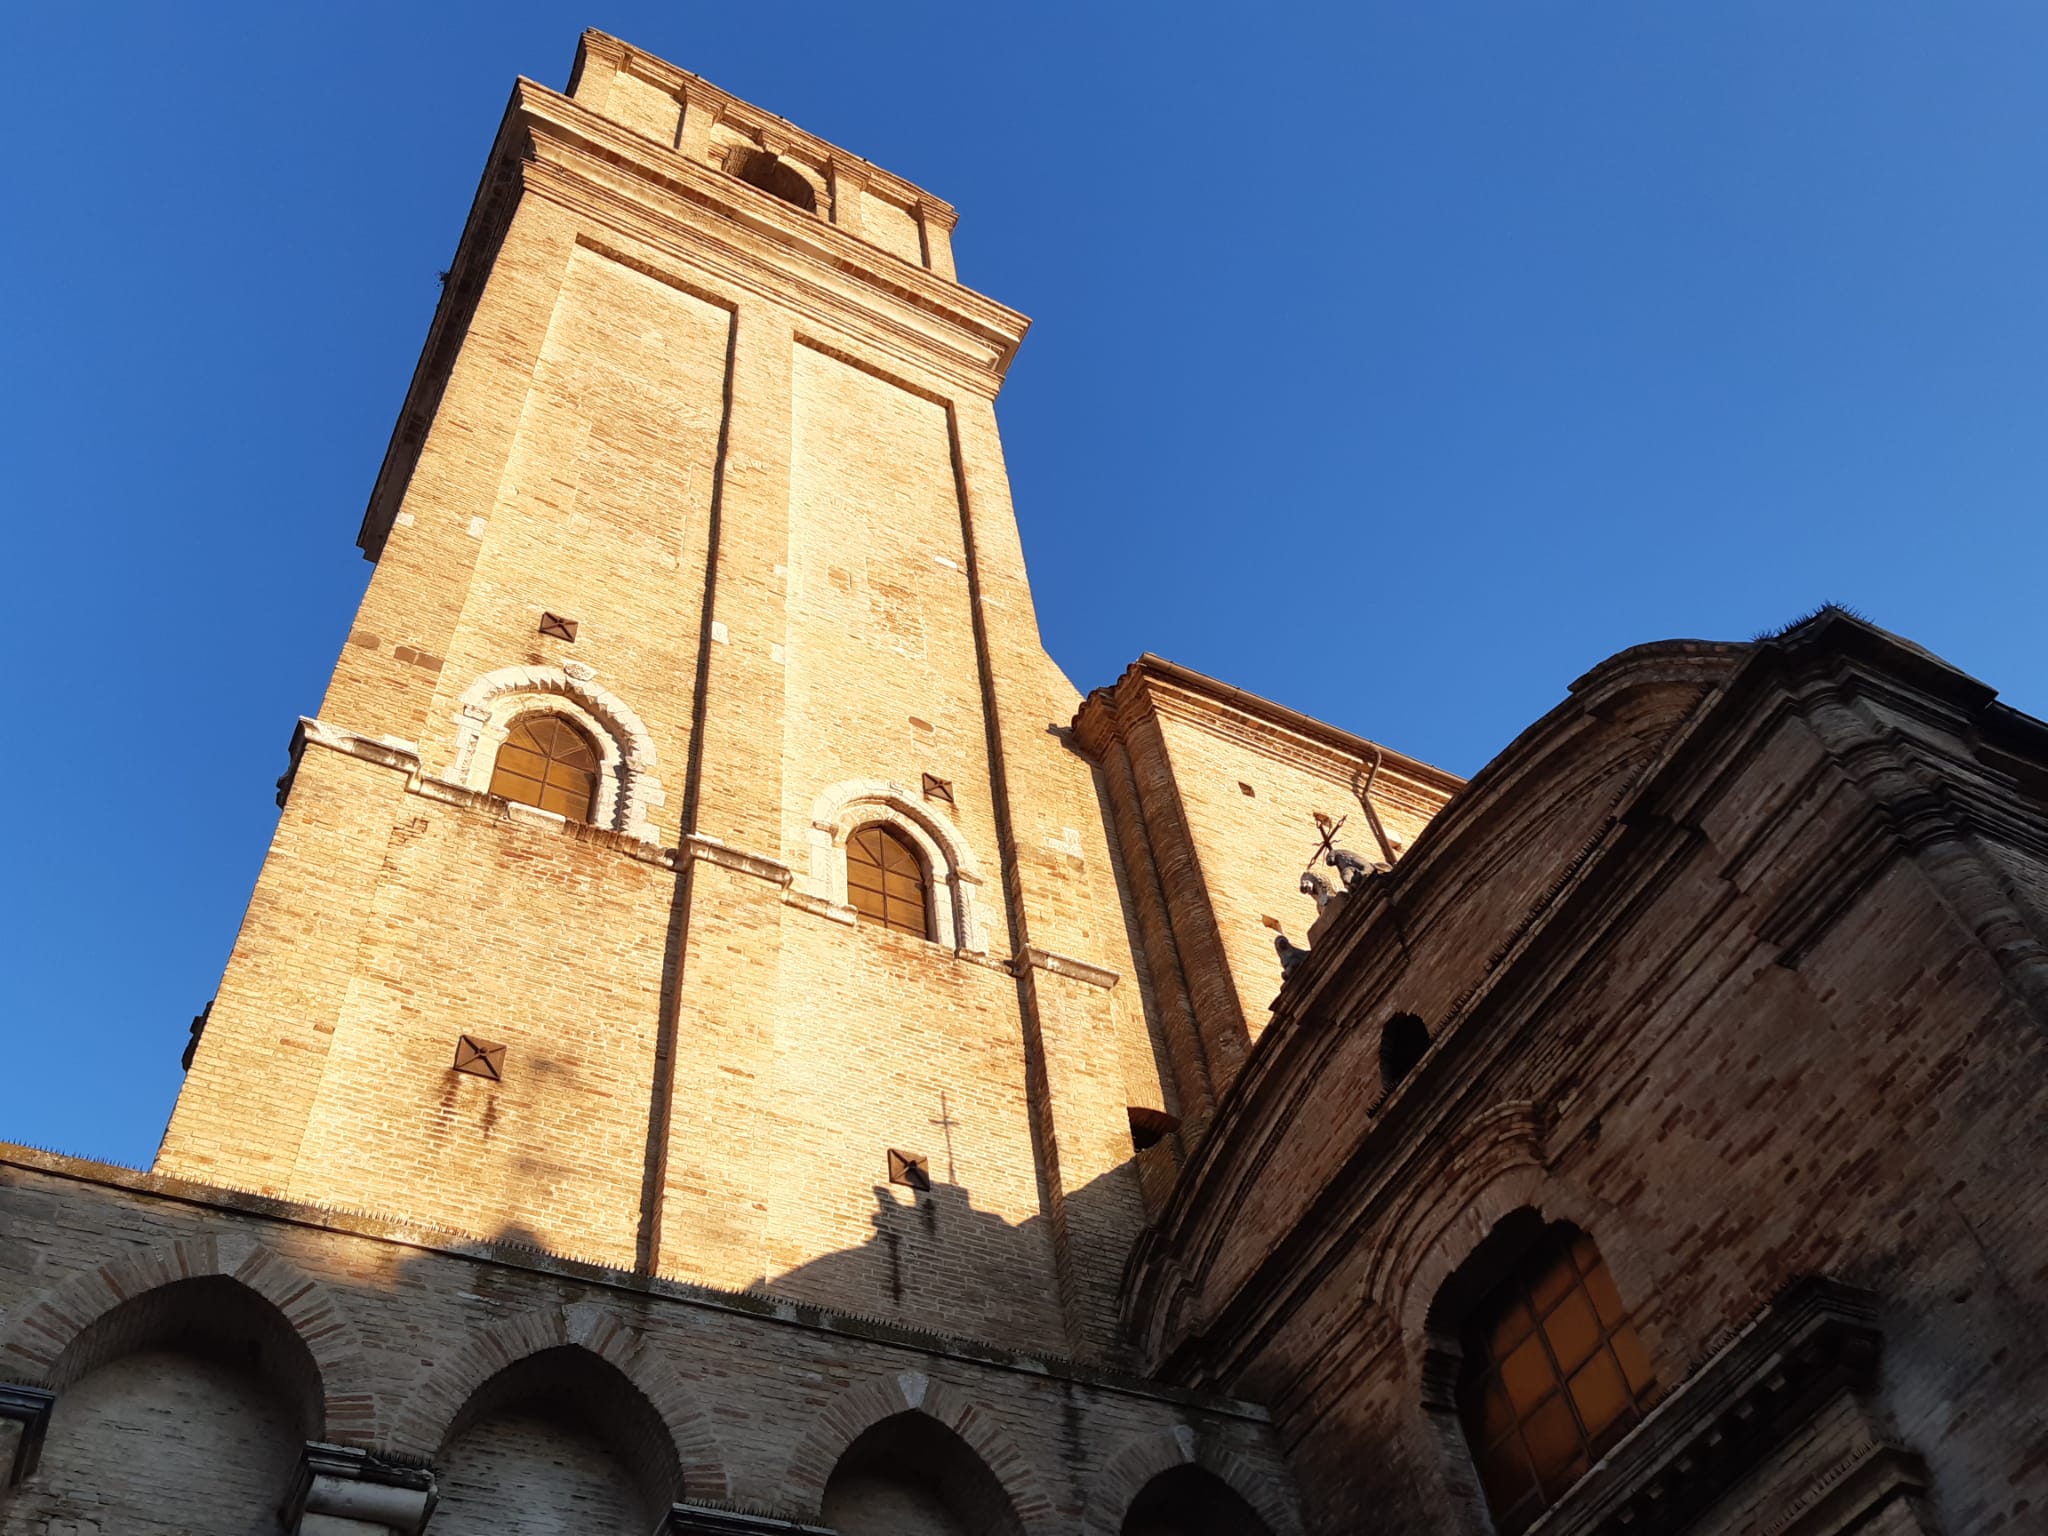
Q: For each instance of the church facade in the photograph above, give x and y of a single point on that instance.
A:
(727, 1039)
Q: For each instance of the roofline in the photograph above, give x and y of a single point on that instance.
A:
(1265, 709)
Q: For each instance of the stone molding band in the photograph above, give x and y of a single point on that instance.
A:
(1031, 957)
(404, 757)
(702, 1520)
(697, 845)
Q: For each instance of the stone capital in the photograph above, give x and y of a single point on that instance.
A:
(343, 1490)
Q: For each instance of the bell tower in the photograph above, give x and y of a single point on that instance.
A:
(688, 844)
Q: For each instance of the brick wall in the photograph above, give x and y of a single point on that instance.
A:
(410, 1330)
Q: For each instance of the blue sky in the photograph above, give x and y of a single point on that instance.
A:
(1396, 361)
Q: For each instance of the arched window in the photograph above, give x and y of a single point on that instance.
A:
(778, 178)
(1553, 1376)
(1404, 1041)
(548, 762)
(885, 878)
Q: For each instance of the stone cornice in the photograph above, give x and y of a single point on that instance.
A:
(1153, 684)
(582, 159)
(549, 145)
(695, 90)
(767, 1310)
(1818, 1339)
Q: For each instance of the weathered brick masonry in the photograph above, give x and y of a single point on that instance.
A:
(634, 1170)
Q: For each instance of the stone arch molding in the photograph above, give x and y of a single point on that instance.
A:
(858, 1409)
(438, 1394)
(955, 875)
(1144, 1457)
(34, 1347)
(627, 787)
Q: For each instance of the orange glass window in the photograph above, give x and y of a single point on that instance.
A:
(885, 879)
(1554, 1376)
(548, 762)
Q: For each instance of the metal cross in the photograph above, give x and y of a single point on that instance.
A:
(1329, 829)
(945, 1123)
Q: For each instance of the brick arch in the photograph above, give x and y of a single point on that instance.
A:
(438, 1393)
(35, 1346)
(627, 787)
(859, 1408)
(1498, 1169)
(1145, 1457)
(1488, 1167)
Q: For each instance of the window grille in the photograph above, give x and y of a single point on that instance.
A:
(1554, 1376)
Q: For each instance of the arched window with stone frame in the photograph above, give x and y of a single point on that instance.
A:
(500, 724)
(897, 824)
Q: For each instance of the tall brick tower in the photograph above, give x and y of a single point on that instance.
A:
(695, 527)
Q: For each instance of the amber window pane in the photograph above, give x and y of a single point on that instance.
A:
(1572, 1331)
(1528, 1376)
(1599, 1394)
(546, 761)
(885, 879)
(1606, 1299)
(1513, 1324)
(1541, 1401)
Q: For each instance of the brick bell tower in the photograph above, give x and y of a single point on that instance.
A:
(686, 841)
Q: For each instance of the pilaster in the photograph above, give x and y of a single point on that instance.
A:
(1060, 881)
(703, 1218)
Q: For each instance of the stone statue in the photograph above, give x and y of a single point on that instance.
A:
(1351, 869)
(1313, 884)
(1290, 957)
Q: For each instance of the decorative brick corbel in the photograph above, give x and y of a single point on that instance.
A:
(24, 1415)
(343, 1490)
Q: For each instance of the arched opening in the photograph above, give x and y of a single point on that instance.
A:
(1404, 1041)
(1190, 1501)
(778, 178)
(559, 1441)
(1551, 1374)
(1149, 1127)
(910, 1475)
(886, 879)
(547, 761)
(184, 1408)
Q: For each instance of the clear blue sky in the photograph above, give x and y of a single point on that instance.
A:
(1397, 361)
